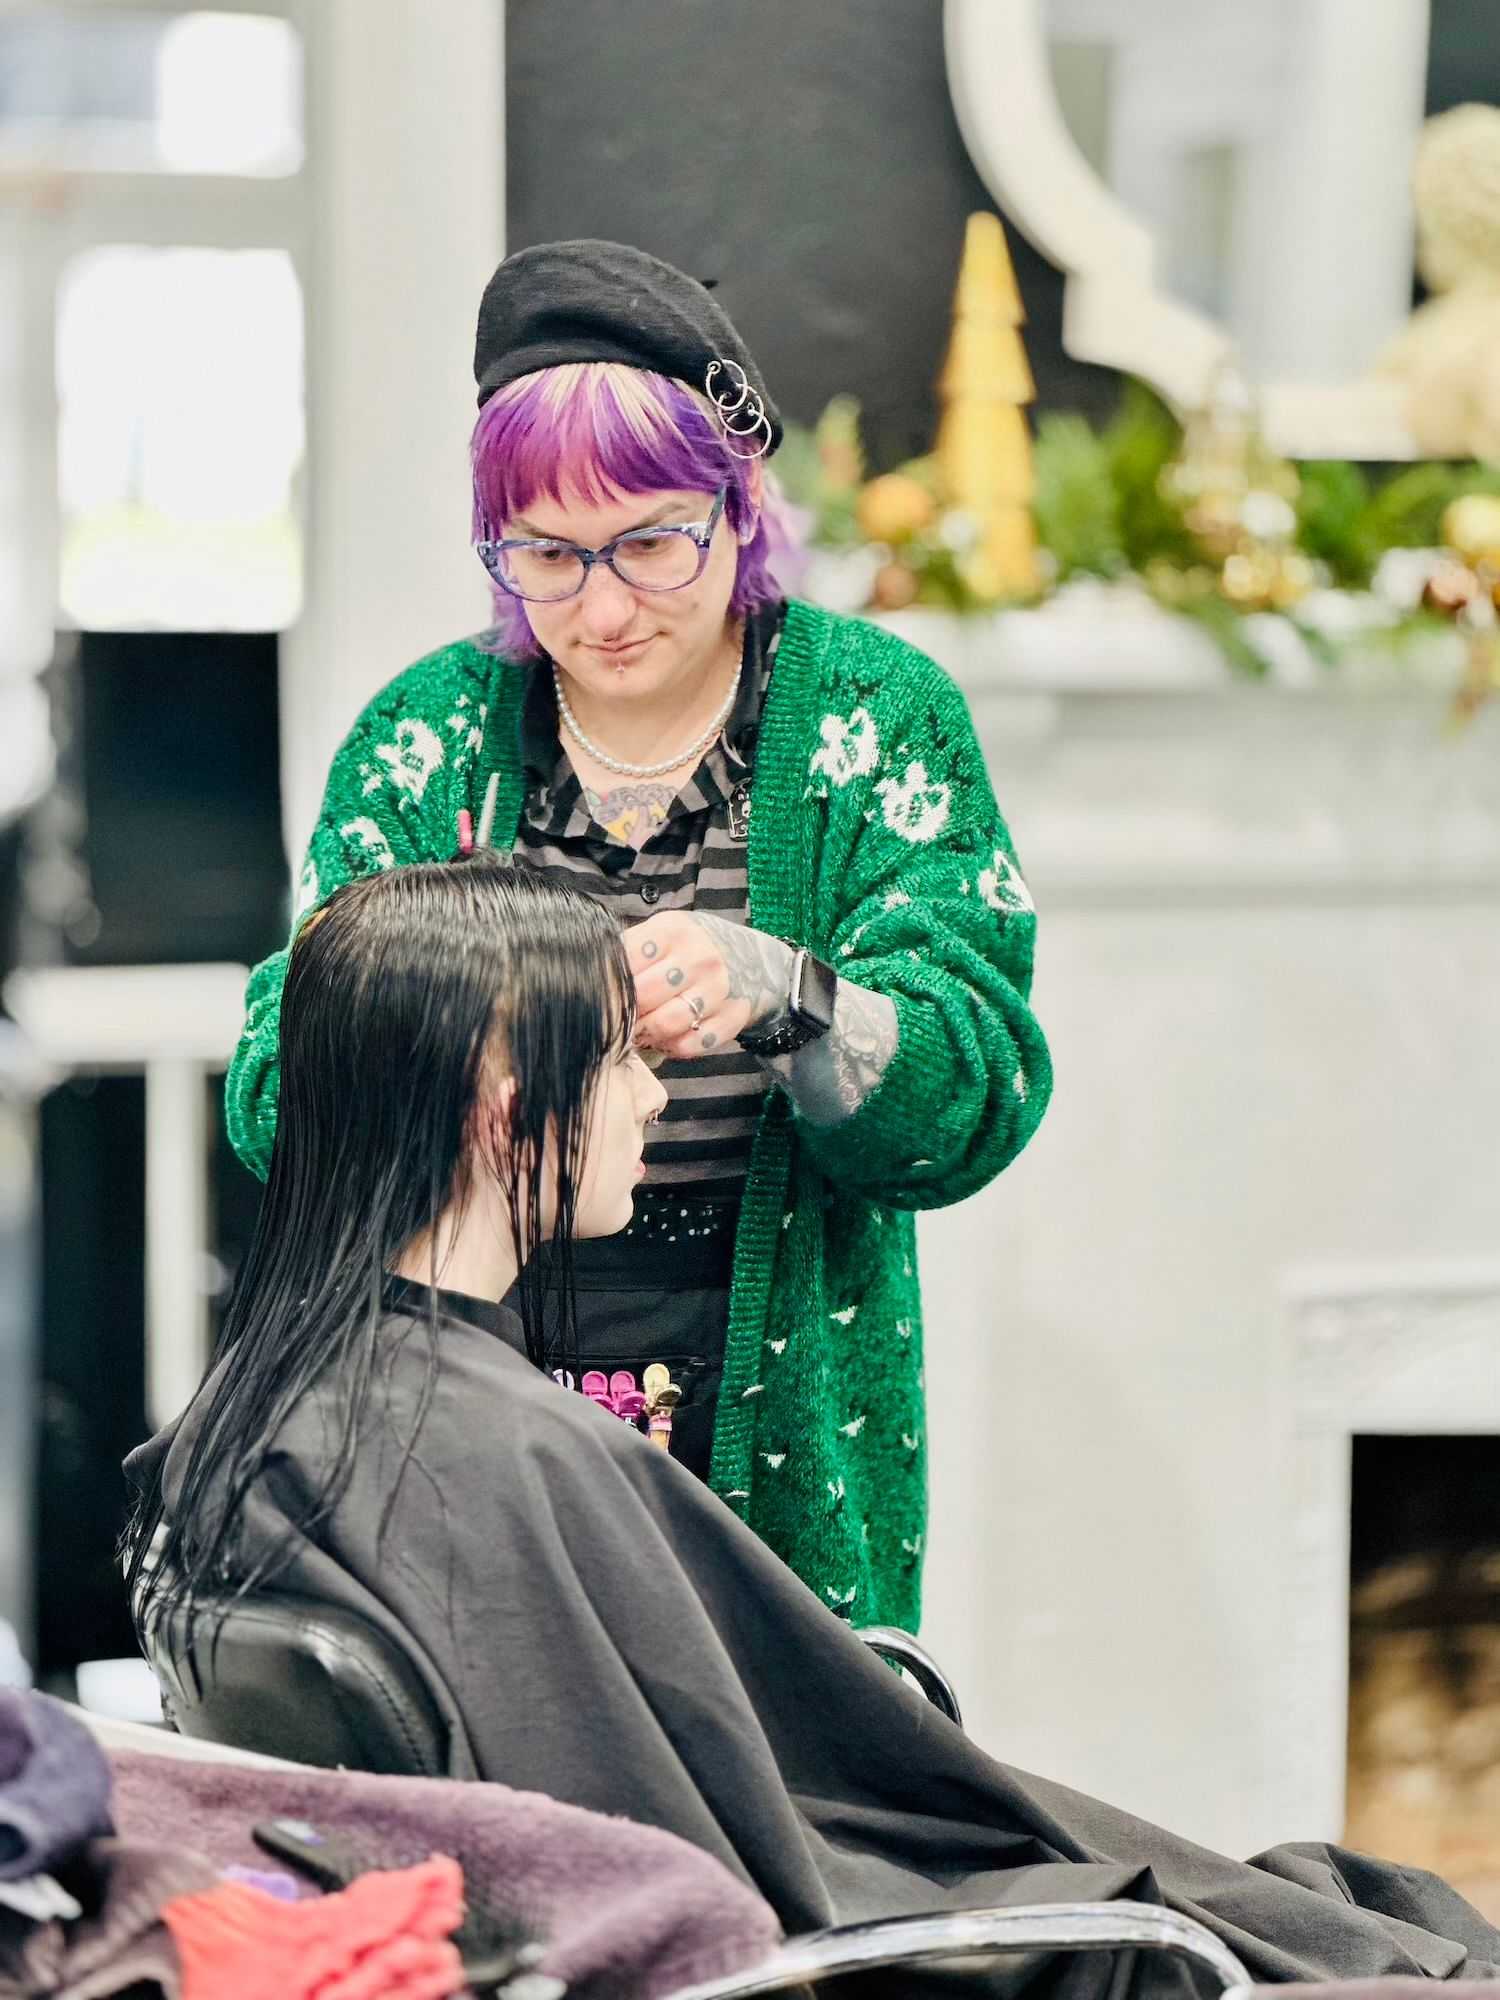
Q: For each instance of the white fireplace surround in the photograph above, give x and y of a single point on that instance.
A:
(1409, 1351)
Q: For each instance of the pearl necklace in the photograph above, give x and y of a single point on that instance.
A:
(618, 764)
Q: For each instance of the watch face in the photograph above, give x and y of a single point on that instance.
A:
(816, 989)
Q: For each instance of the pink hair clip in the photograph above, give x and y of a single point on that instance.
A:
(627, 1398)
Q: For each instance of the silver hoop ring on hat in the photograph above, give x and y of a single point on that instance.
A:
(740, 412)
(760, 429)
(726, 401)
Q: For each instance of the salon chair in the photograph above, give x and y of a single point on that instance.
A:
(292, 1678)
(289, 1677)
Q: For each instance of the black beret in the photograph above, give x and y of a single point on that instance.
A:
(594, 301)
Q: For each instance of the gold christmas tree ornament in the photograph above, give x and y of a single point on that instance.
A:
(1471, 526)
(982, 456)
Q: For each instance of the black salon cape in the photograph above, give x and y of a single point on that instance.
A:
(600, 1628)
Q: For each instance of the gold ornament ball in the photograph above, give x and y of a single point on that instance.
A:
(983, 577)
(1472, 526)
(1295, 577)
(1250, 578)
(893, 508)
(895, 587)
(1449, 588)
(1214, 518)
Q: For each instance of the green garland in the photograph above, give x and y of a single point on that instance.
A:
(1100, 506)
(1103, 508)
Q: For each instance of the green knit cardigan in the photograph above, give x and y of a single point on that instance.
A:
(875, 840)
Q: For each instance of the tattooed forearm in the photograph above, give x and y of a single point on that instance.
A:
(759, 967)
(830, 1078)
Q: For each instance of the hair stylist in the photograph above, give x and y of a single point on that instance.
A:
(830, 940)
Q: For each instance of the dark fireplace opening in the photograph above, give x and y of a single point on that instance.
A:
(1424, 1657)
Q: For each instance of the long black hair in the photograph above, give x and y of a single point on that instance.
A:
(408, 993)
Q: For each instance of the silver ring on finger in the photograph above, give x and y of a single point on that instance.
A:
(697, 1006)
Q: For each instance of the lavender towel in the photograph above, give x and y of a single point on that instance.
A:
(627, 1911)
(54, 1785)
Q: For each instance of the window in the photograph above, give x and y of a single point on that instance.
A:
(180, 437)
(194, 93)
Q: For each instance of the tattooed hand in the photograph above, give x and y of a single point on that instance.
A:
(699, 981)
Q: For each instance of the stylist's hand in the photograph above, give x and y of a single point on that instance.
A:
(699, 981)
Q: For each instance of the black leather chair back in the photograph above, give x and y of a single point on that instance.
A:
(292, 1678)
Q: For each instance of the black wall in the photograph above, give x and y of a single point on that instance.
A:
(173, 758)
(802, 152)
(1463, 64)
(178, 767)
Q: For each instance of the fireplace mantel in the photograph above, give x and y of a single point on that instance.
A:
(1148, 770)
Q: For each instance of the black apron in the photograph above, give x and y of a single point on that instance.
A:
(659, 1293)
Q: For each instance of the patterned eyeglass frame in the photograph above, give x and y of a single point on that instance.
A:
(699, 533)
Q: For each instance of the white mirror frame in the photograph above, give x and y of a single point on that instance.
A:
(1113, 314)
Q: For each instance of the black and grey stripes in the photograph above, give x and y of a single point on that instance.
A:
(695, 861)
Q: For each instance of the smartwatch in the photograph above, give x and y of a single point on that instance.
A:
(809, 1009)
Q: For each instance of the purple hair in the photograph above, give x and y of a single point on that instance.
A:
(593, 429)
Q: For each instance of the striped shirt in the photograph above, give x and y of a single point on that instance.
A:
(695, 860)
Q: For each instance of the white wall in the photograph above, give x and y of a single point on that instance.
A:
(406, 152)
(1270, 970)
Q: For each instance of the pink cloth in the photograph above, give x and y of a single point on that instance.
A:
(386, 1937)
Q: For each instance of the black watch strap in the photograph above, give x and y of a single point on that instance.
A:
(812, 991)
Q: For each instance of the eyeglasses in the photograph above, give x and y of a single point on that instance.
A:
(546, 572)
